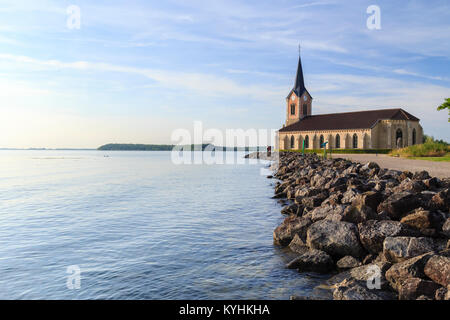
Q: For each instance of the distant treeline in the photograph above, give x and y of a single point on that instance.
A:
(169, 147)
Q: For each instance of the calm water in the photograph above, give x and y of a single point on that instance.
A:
(139, 227)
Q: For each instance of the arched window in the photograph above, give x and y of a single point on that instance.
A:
(292, 142)
(321, 141)
(355, 141)
(338, 141)
(306, 142)
(292, 108)
(305, 109)
(414, 136)
(399, 138)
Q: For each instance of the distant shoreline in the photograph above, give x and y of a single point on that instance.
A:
(166, 147)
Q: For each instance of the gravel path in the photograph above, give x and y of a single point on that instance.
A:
(434, 168)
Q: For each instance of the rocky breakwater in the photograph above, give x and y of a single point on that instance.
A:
(385, 233)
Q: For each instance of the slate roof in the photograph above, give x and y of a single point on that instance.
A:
(348, 120)
(299, 85)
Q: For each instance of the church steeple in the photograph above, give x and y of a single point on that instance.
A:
(299, 86)
(299, 101)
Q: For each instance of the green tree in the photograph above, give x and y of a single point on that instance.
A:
(445, 105)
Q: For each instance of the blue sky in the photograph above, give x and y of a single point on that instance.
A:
(137, 70)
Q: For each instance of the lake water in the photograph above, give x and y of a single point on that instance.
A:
(139, 227)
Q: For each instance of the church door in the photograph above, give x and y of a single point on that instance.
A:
(399, 138)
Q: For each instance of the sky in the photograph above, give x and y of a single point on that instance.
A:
(135, 71)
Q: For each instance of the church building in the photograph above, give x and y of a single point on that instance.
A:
(371, 129)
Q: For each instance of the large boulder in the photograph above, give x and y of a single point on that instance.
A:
(349, 196)
(369, 198)
(312, 260)
(423, 219)
(356, 290)
(398, 204)
(297, 245)
(365, 273)
(414, 186)
(348, 262)
(411, 268)
(314, 201)
(440, 293)
(398, 249)
(372, 233)
(446, 228)
(437, 269)
(337, 238)
(292, 209)
(291, 226)
(441, 200)
(358, 213)
(421, 175)
(323, 211)
(413, 288)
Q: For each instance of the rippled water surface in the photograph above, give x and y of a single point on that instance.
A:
(139, 227)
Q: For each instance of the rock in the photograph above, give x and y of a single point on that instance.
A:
(412, 288)
(369, 198)
(413, 186)
(437, 269)
(291, 226)
(297, 245)
(292, 209)
(314, 201)
(446, 228)
(348, 262)
(440, 294)
(323, 211)
(308, 192)
(334, 199)
(372, 233)
(312, 260)
(371, 165)
(432, 183)
(398, 249)
(365, 274)
(398, 204)
(279, 195)
(369, 258)
(422, 175)
(359, 213)
(441, 200)
(406, 174)
(337, 238)
(349, 196)
(411, 268)
(354, 290)
(423, 297)
(423, 219)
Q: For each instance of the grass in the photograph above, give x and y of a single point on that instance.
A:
(445, 158)
(430, 149)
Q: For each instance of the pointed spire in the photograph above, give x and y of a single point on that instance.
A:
(299, 86)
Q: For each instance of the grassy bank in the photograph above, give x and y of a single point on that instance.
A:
(430, 149)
